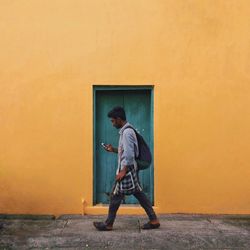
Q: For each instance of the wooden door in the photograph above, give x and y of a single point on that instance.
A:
(137, 104)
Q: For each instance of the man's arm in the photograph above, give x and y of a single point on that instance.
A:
(115, 150)
(129, 140)
(128, 147)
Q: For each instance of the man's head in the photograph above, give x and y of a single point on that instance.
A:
(117, 117)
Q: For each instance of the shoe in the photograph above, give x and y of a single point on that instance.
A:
(102, 226)
(149, 225)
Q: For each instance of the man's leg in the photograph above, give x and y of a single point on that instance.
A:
(115, 203)
(146, 204)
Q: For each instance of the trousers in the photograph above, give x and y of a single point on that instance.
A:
(116, 200)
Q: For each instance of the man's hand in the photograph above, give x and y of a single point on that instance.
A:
(110, 148)
(121, 174)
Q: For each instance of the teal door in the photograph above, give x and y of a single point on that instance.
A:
(138, 107)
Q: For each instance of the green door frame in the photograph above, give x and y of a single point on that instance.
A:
(151, 143)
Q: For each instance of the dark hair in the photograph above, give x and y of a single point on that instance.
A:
(117, 112)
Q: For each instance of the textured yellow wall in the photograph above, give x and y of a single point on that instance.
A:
(196, 53)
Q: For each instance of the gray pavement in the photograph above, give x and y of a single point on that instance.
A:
(177, 231)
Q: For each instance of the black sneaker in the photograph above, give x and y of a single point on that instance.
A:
(102, 226)
(150, 226)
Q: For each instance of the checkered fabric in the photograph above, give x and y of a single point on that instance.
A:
(129, 184)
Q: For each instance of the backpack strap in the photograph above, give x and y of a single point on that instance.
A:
(132, 128)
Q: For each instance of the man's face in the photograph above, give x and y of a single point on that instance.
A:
(116, 122)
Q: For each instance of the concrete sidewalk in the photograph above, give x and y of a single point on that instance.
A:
(177, 231)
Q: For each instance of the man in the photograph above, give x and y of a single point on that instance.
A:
(127, 178)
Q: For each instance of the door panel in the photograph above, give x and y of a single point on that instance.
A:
(137, 105)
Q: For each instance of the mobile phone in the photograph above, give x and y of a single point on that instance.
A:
(104, 145)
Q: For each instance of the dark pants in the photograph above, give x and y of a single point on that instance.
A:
(116, 200)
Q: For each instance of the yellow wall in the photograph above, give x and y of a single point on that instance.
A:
(195, 52)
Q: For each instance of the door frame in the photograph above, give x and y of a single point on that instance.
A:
(151, 143)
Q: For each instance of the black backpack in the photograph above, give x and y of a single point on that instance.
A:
(144, 158)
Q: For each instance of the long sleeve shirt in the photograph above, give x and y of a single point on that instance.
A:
(128, 147)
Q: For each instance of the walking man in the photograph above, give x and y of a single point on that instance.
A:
(127, 178)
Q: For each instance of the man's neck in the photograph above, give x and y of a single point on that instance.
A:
(124, 123)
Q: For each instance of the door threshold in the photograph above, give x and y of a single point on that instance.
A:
(122, 205)
(123, 209)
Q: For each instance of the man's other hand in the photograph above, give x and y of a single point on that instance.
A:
(121, 174)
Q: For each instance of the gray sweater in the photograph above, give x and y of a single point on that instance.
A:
(127, 148)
